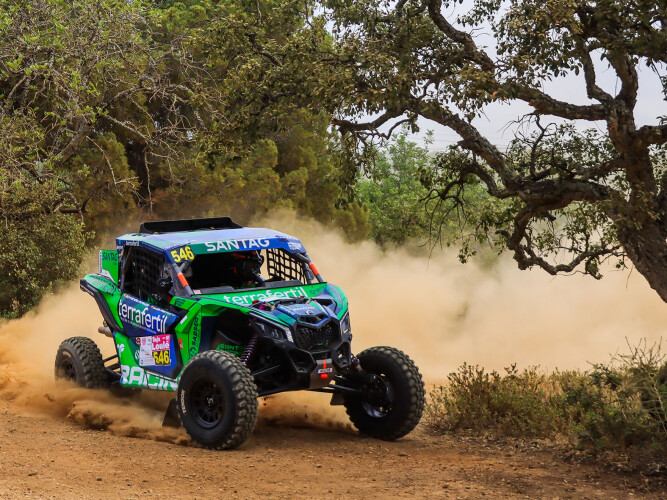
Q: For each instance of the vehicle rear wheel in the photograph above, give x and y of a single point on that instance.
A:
(217, 400)
(80, 360)
(393, 399)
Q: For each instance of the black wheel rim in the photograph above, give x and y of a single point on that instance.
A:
(207, 404)
(67, 370)
(379, 397)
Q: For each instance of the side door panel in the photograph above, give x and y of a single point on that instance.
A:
(151, 329)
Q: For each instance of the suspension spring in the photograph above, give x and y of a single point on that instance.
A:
(249, 351)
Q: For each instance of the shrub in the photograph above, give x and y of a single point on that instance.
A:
(618, 406)
(600, 417)
(513, 404)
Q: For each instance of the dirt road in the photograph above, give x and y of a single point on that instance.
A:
(46, 457)
(51, 445)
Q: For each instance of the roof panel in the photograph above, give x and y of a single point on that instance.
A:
(217, 240)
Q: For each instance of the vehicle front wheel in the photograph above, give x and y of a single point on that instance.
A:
(392, 401)
(80, 360)
(217, 400)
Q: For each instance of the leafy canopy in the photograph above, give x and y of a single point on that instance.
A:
(560, 199)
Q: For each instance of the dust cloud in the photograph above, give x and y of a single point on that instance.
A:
(443, 313)
(438, 311)
(27, 353)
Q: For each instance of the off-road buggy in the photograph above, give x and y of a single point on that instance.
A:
(224, 314)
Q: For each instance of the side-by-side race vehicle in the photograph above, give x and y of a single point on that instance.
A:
(223, 314)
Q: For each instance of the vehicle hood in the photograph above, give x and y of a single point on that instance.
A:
(304, 303)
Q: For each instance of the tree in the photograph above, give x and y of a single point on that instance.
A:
(93, 80)
(560, 199)
(270, 146)
(393, 194)
(176, 108)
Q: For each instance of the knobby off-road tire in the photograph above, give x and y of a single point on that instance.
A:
(80, 360)
(406, 390)
(217, 400)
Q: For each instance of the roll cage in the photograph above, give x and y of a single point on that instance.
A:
(154, 263)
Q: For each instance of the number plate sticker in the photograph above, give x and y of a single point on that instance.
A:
(155, 350)
(182, 254)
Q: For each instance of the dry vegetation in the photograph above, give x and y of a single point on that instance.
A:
(617, 410)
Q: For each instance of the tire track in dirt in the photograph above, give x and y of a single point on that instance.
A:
(46, 458)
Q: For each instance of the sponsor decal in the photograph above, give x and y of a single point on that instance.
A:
(231, 245)
(105, 257)
(237, 350)
(307, 310)
(324, 370)
(137, 376)
(183, 407)
(294, 246)
(178, 302)
(149, 318)
(265, 295)
(196, 332)
(155, 350)
(102, 282)
(108, 256)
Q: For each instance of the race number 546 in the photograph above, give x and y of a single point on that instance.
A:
(183, 253)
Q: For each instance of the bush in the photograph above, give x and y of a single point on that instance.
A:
(618, 406)
(513, 404)
(39, 247)
(599, 417)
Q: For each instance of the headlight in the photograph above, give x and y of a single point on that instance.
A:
(273, 331)
(345, 323)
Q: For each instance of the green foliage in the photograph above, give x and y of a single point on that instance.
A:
(579, 229)
(619, 406)
(38, 248)
(399, 191)
(296, 172)
(177, 108)
(625, 402)
(563, 201)
(601, 418)
(512, 404)
(393, 194)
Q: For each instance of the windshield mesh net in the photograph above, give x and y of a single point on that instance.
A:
(144, 273)
(282, 265)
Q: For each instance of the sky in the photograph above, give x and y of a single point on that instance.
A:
(651, 102)
(494, 126)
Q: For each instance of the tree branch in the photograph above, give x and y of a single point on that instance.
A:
(592, 89)
(350, 126)
(73, 145)
(460, 37)
(652, 134)
(547, 105)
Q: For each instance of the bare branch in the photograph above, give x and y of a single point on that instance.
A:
(652, 134)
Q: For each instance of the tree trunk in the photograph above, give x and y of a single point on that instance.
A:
(647, 250)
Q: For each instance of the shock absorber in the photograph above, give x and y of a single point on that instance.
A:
(249, 351)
